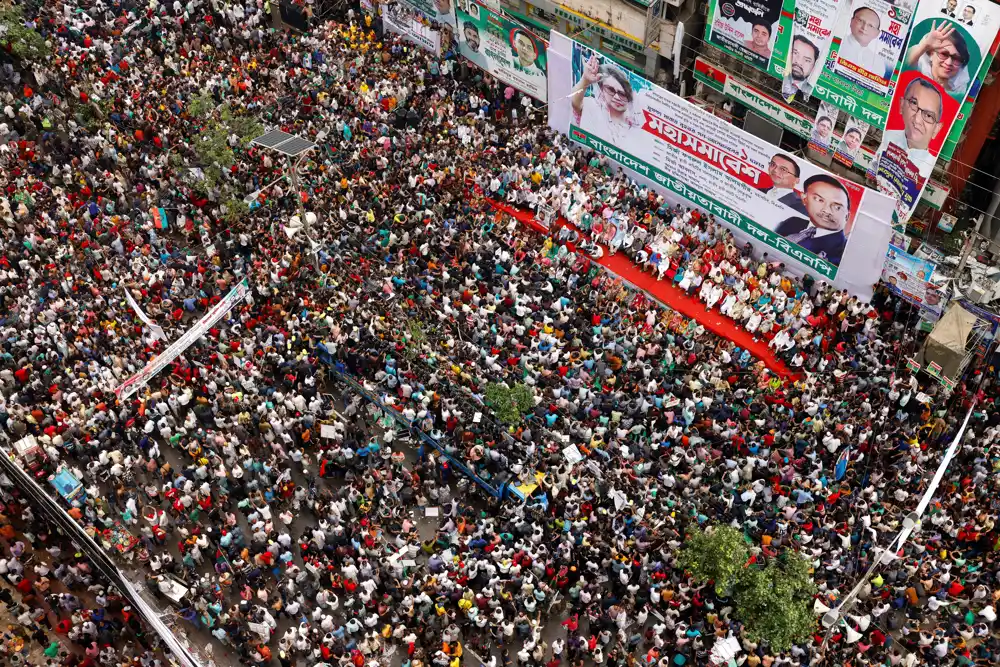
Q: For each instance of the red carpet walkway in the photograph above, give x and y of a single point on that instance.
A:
(672, 297)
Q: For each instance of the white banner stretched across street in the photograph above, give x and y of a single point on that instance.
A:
(216, 313)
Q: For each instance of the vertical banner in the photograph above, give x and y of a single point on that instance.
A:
(812, 31)
(826, 225)
(862, 67)
(942, 58)
(747, 29)
(955, 136)
(505, 49)
(821, 138)
(850, 142)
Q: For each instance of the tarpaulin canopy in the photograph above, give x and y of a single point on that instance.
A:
(946, 344)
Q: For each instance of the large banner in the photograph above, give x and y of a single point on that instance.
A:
(823, 224)
(505, 49)
(812, 31)
(436, 10)
(747, 29)
(909, 277)
(862, 65)
(943, 56)
(417, 25)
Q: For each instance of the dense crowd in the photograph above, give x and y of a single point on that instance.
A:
(285, 501)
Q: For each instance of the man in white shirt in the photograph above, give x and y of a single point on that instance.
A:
(921, 109)
(784, 172)
(860, 47)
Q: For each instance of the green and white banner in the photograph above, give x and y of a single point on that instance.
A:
(822, 224)
(863, 63)
(506, 49)
(755, 31)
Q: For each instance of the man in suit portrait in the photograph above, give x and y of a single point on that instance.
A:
(828, 207)
(784, 173)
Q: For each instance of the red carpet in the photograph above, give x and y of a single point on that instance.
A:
(670, 296)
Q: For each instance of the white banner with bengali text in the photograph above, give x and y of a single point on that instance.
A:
(157, 364)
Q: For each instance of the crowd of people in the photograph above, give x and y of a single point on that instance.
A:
(279, 470)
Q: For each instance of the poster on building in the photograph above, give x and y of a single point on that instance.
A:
(909, 277)
(942, 58)
(436, 10)
(821, 138)
(812, 30)
(406, 20)
(955, 136)
(850, 142)
(828, 226)
(867, 46)
(746, 29)
(505, 49)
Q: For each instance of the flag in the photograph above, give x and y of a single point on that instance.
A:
(159, 218)
(841, 468)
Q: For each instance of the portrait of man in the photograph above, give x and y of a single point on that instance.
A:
(803, 60)
(852, 141)
(861, 45)
(921, 107)
(760, 38)
(525, 49)
(828, 208)
(471, 32)
(949, 8)
(822, 131)
(784, 173)
(968, 15)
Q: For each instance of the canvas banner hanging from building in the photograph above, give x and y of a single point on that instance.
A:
(941, 61)
(505, 49)
(823, 224)
(755, 31)
(862, 65)
(812, 30)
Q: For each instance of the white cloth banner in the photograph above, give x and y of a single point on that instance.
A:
(153, 326)
(137, 381)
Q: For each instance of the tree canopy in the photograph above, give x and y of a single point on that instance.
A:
(774, 602)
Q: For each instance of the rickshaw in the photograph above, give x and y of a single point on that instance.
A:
(32, 457)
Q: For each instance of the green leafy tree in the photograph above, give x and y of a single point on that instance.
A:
(774, 603)
(213, 150)
(718, 554)
(16, 36)
(415, 338)
(509, 403)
